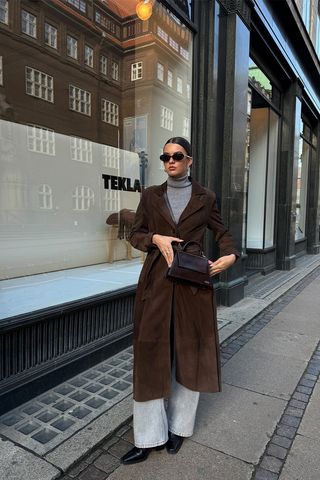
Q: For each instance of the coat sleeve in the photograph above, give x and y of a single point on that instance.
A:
(221, 233)
(140, 236)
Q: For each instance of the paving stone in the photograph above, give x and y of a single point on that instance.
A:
(295, 412)
(91, 458)
(120, 448)
(271, 463)
(307, 383)
(108, 443)
(107, 463)
(302, 389)
(308, 376)
(276, 451)
(290, 420)
(75, 471)
(123, 430)
(262, 474)
(285, 431)
(297, 404)
(302, 397)
(129, 436)
(281, 441)
(92, 473)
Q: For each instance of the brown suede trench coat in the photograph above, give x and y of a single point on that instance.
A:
(196, 335)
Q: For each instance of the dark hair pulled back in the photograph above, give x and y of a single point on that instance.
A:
(183, 143)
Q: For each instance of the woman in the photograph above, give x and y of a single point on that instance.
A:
(176, 347)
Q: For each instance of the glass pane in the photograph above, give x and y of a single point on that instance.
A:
(67, 203)
(271, 179)
(302, 186)
(257, 175)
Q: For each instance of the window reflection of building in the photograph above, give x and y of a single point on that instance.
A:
(41, 140)
(45, 197)
(97, 79)
(111, 201)
(83, 198)
(81, 150)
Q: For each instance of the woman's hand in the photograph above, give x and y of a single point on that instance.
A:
(164, 244)
(221, 264)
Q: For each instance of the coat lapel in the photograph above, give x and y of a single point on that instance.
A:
(195, 203)
(160, 204)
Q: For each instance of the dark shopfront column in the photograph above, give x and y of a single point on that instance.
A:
(220, 116)
(288, 169)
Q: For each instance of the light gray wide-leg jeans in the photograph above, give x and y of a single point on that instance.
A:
(152, 420)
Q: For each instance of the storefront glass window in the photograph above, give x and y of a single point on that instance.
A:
(302, 180)
(78, 144)
(262, 178)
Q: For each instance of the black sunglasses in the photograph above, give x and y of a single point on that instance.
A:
(177, 156)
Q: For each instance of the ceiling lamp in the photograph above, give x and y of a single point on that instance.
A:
(144, 9)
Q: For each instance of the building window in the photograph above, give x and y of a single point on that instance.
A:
(170, 78)
(179, 85)
(83, 198)
(136, 71)
(50, 35)
(184, 53)
(81, 150)
(103, 65)
(79, 100)
(39, 84)
(1, 72)
(162, 34)
(186, 127)
(173, 44)
(111, 156)
(111, 200)
(160, 71)
(166, 119)
(115, 70)
(188, 91)
(28, 24)
(45, 197)
(110, 112)
(88, 56)
(41, 140)
(72, 47)
(4, 11)
(79, 4)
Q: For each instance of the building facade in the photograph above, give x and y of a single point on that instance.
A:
(89, 93)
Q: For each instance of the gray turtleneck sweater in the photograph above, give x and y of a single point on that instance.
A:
(179, 194)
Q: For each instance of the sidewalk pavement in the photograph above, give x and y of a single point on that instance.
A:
(263, 426)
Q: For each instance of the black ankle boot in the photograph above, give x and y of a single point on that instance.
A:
(136, 455)
(174, 443)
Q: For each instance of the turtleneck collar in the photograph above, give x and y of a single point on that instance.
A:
(180, 182)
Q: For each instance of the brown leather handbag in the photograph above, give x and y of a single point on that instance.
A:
(189, 267)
